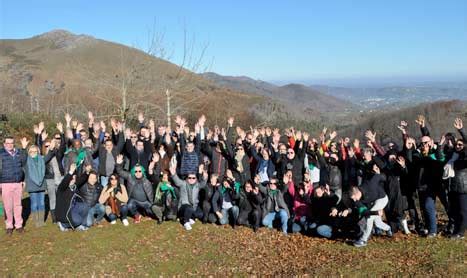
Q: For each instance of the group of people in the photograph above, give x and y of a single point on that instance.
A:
(325, 186)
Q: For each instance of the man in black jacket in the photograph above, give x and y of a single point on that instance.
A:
(90, 192)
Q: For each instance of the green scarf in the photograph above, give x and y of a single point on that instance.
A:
(274, 192)
(165, 187)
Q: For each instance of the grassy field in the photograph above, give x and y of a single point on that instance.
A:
(148, 249)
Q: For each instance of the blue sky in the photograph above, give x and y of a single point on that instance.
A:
(305, 41)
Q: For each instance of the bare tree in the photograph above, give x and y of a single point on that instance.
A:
(147, 80)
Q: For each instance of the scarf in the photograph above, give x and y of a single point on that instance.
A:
(36, 169)
(164, 187)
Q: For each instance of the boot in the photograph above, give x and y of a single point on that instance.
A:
(405, 227)
(40, 218)
(52, 215)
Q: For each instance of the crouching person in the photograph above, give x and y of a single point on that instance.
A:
(324, 208)
(275, 206)
(370, 200)
(140, 191)
(250, 206)
(223, 201)
(165, 201)
(189, 208)
(115, 197)
(71, 209)
(91, 192)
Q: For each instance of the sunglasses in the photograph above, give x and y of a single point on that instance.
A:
(460, 144)
(114, 178)
(272, 182)
(290, 153)
(424, 143)
(138, 171)
(133, 137)
(57, 138)
(46, 146)
(192, 178)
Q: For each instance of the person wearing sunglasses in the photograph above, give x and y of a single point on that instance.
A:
(114, 197)
(189, 207)
(224, 201)
(140, 189)
(428, 160)
(274, 204)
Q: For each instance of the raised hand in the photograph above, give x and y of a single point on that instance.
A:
(458, 123)
(140, 117)
(36, 129)
(41, 127)
(91, 118)
(44, 136)
(401, 161)
(420, 120)
(152, 124)
(230, 121)
(72, 168)
(306, 136)
(60, 127)
(298, 135)
(102, 125)
(442, 140)
(332, 135)
(67, 119)
(173, 169)
(155, 157)
(119, 159)
(370, 135)
(403, 127)
(79, 127)
(24, 142)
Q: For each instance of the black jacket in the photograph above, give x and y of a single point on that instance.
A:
(65, 196)
(90, 194)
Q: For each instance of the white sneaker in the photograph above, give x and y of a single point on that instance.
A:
(113, 222)
(125, 222)
(191, 221)
(187, 226)
(405, 227)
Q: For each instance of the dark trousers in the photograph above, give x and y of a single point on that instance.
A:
(458, 203)
(249, 217)
(134, 205)
(187, 212)
(208, 214)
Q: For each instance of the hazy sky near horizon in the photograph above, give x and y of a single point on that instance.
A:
(274, 40)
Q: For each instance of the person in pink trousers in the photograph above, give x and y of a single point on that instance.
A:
(12, 161)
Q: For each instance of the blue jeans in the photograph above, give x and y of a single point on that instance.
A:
(430, 214)
(324, 231)
(271, 216)
(37, 201)
(79, 214)
(228, 213)
(133, 206)
(123, 213)
(301, 224)
(96, 212)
